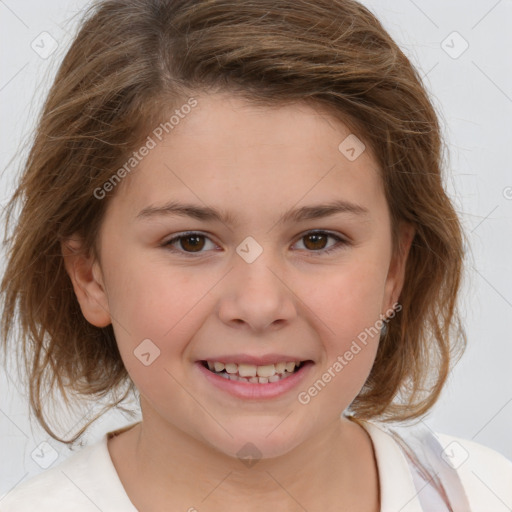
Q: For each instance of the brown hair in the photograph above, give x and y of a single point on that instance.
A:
(132, 62)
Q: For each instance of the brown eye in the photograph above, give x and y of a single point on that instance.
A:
(315, 241)
(318, 242)
(189, 244)
(192, 243)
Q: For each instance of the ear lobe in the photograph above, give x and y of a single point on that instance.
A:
(396, 274)
(86, 276)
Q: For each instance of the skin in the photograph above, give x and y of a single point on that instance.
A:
(257, 162)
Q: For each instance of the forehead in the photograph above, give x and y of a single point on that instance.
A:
(229, 151)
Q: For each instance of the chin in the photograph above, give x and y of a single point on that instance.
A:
(256, 441)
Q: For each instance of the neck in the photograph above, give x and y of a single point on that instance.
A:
(329, 471)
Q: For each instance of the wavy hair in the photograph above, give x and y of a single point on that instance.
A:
(130, 64)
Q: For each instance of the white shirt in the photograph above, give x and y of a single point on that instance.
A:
(88, 482)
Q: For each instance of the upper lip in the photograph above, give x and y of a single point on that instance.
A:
(255, 360)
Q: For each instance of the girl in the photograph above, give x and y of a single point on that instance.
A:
(236, 208)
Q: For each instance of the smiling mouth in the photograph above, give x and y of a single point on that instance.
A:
(252, 373)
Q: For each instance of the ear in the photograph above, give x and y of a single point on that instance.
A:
(396, 273)
(85, 274)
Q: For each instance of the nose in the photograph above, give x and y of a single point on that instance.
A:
(256, 295)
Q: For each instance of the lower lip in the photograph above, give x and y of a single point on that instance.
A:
(254, 390)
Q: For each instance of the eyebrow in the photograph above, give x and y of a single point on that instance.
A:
(206, 213)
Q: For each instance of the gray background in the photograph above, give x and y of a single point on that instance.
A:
(472, 91)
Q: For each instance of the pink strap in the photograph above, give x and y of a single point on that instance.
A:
(424, 453)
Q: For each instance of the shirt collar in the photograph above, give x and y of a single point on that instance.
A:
(397, 490)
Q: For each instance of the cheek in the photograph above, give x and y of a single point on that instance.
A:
(156, 303)
(347, 306)
(350, 299)
(151, 298)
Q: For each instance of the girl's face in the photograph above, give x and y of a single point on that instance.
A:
(253, 283)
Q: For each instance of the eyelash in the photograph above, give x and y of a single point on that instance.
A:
(340, 243)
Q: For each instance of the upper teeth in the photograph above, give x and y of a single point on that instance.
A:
(251, 370)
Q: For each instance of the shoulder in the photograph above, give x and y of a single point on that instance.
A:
(473, 475)
(86, 481)
(54, 488)
(485, 473)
